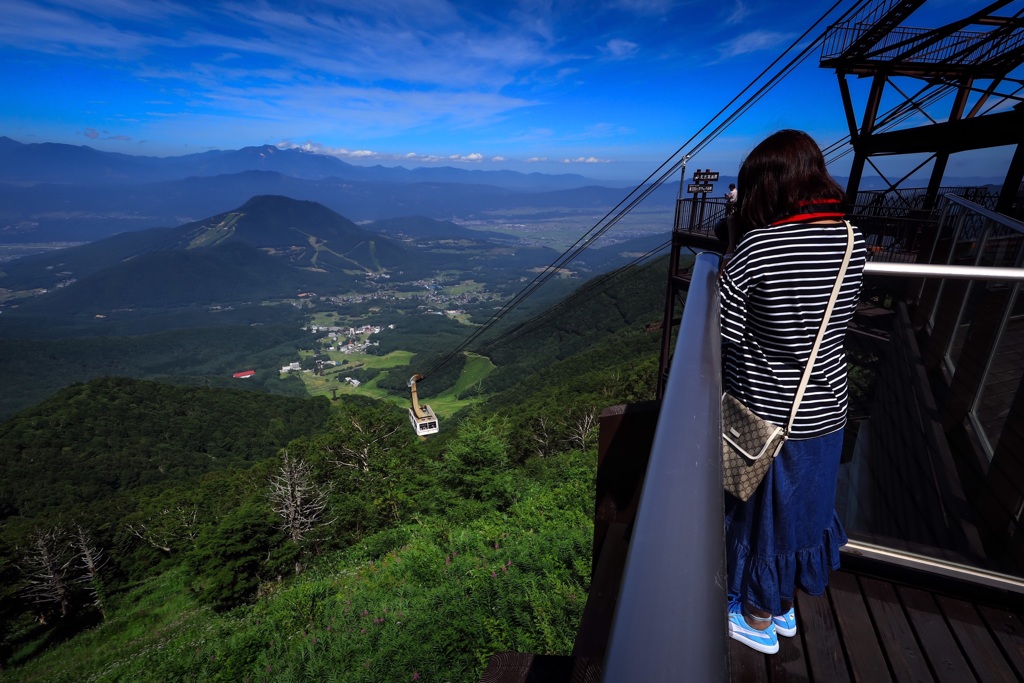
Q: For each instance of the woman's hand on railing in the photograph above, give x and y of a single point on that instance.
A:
(725, 259)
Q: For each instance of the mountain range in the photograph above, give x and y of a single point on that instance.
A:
(49, 162)
(64, 193)
(268, 248)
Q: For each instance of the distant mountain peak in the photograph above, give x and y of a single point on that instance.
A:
(83, 165)
(274, 221)
(270, 246)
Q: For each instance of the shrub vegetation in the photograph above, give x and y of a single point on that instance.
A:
(250, 537)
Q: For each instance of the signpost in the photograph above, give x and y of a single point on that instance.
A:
(701, 185)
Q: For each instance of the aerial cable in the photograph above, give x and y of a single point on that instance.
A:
(508, 335)
(553, 269)
(721, 127)
(595, 283)
(587, 238)
(645, 189)
(774, 80)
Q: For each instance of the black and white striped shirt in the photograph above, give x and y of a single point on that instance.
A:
(773, 295)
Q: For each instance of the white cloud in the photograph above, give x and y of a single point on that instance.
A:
(646, 7)
(345, 153)
(586, 160)
(534, 160)
(428, 43)
(350, 111)
(738, 14)
(340, 152)
(617, 48)
(754, 41)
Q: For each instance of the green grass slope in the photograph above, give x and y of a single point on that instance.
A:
(432, 554)
(425, 601)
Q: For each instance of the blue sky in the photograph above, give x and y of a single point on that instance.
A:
(606, 89)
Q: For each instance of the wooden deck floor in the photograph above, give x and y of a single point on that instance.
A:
(865, 628)
(874, 630)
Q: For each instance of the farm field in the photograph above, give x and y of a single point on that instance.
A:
(328, 383)
(445, 404)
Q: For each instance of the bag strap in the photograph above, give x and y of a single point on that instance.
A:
(824, 324)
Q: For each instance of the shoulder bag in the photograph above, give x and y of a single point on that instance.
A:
(750, 443)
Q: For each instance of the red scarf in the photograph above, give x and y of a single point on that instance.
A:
(811, 216)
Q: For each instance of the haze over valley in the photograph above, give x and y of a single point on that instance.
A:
(430, 255)
(180, 353)
(53, 193)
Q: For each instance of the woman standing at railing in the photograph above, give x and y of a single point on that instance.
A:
(774, 292)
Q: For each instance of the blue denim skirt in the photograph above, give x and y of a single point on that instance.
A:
(787, 535)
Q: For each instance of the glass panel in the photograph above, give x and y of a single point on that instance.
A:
(972, 302)
(965, 229)
(1004, 375)
(982, 244)
(968, 251)
(910, 482)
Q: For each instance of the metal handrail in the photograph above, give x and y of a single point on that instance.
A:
(994, 216)
(945, 271)
(672, 595)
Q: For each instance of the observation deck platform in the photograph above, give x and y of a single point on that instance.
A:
(874, 628)
(867, 627)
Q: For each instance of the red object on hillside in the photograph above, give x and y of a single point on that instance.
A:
(245, 374)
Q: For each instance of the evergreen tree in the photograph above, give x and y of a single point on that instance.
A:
(228, 557)
(475, 460)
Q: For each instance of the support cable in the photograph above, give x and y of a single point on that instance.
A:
(663, 172)
(508, 335)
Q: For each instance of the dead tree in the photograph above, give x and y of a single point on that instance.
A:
(542, 435)
(90, 561)
(48, 568)
(188, 517)
(581, 428)
(297, 500)
(169, 529)
(144, 533)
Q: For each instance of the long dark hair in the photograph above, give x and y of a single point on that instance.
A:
(782, 175)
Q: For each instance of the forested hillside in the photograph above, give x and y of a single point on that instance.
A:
(33, 369)
(628, 299)
(165, 532)
(112, 435)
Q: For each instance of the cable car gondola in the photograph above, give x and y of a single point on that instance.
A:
(422, 417)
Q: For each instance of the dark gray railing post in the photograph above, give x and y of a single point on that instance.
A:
(669, 622)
